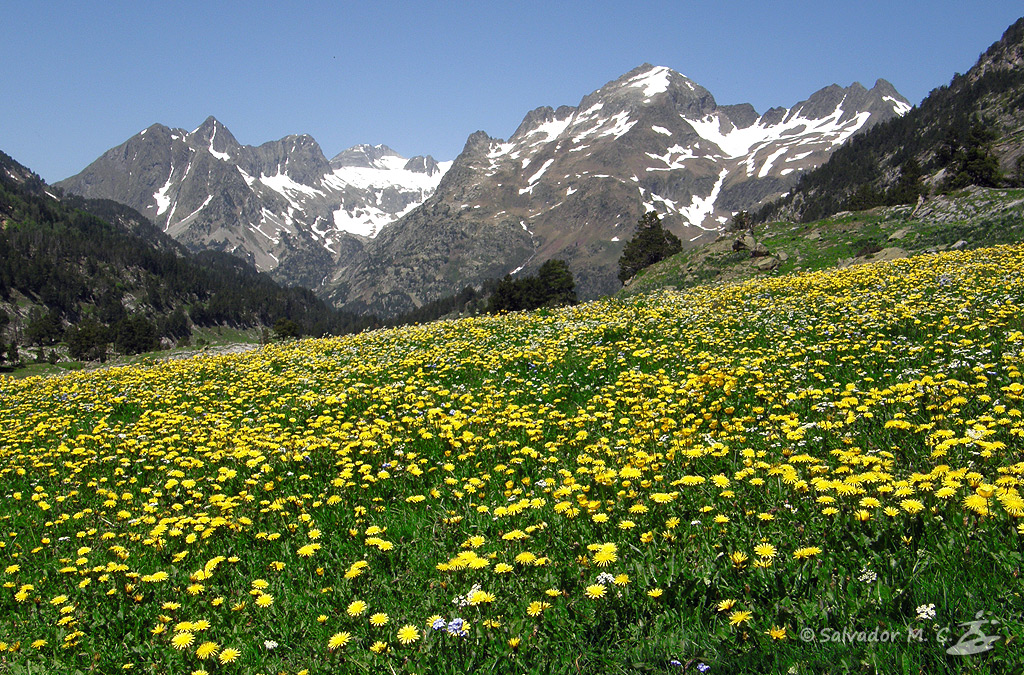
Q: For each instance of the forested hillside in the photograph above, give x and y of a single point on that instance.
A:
(69, 265)
(967, 133)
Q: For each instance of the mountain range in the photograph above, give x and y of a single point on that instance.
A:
(372, 231)
(282, 206)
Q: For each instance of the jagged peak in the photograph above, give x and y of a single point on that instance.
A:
(479, 139)
(363, 155)
(648, 85)
(209, 124)
(422, 164)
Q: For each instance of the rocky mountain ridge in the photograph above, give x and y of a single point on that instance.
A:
(375, 232)
(571, 183)
(283, 206)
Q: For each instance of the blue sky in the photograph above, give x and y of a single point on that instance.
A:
(81, 77)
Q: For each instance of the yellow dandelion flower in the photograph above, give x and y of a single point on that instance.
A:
(408, 634)
(806, 552)
(379, 619)
(356, 607)
(207, 649)
(536, 607)
(339, 640)
(655, 593)
(183, 640)
(481, 597)
(308, 550)
(595, 591)
(977, 504)
(379, 647)
(229, 655)
(739, 617)
(912, 506)
(777, 633)
(525, 558)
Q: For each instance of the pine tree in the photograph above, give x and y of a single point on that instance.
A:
(650, 244)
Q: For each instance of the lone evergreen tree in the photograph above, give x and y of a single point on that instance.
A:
(556, 283)
(651, 243)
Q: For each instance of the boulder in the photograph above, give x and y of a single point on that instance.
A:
(766, 264)
(746, 242)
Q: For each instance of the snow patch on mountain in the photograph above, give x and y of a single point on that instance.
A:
(222, 156)
(163, 201)
(287, 188)
(192, 215)
(900, 107)
(385, 176)
(535, 177)
(654, 81)
(700, 209)
(549, 130)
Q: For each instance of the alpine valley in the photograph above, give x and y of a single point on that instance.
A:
(372, 231)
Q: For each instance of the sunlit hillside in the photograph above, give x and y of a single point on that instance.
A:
(753, 477)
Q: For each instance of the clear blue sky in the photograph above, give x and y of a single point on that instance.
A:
(81, 77)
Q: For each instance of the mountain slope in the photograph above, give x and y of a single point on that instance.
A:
(282, 205)
(967, 219)
(64, 260)
(970, 132)
(571, 183)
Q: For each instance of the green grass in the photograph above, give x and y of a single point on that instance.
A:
(978, 217)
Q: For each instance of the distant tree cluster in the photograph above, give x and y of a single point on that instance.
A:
(651, 243)
(469, 300)
(552, 286)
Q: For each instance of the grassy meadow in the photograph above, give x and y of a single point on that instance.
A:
(804, 473)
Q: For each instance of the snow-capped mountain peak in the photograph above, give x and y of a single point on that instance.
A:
(572, 181)
(267, 203)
